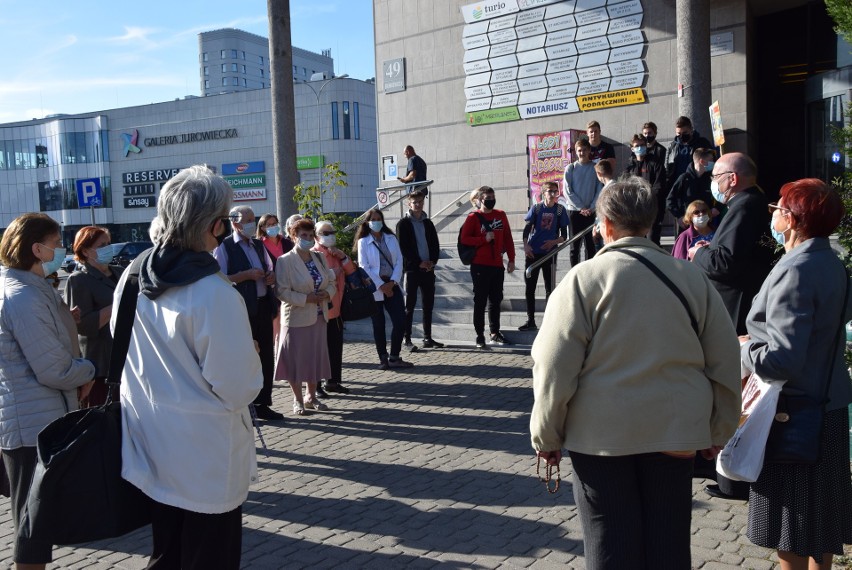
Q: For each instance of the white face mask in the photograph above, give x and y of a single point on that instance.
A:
(327, 241)
(53, 265)
(248, 229)
(700, 221)
(717, 193)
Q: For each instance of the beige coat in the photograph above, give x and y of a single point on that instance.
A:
(618, 368)
(294, 283)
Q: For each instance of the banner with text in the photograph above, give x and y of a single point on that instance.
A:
(549, 154)
(533, 58)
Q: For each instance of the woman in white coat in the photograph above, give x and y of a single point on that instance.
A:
(381, 258)
(191, 372)
(305, 285)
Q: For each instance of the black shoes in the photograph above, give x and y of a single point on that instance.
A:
(528, 326)
(320, 392)
(336, 388)
(406, 342)
(429, 343)
(264, 412)
(398, 363)
(383, 365)
(498, 338)
(480, 342)
(715, 491)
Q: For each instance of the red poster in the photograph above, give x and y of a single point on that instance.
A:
(549, 154)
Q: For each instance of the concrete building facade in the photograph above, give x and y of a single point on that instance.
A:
(465, 84)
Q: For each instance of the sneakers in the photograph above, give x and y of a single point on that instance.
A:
(528, 326)
(429, 343)
(406, 342)
(480, 342)
(398, 363)
(335, 388)
(498, 338)
(267, 413)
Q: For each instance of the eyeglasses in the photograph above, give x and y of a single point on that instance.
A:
(715, 176)
(775, 206)
(327, 233)
(420, 202)
(551, 191)
(699, 212)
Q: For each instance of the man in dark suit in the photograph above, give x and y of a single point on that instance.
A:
(737, 260)
(244, 259)
(418, 241)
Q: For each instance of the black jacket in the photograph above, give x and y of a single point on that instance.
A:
(408, 243)
(679, 155)
(651, 170)
(687, 188)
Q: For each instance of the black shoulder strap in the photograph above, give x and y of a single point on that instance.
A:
(665, 280)
(382, 253)
(124, 319)
(484, 221)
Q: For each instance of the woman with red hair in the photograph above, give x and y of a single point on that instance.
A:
(90, 288)
(795, 329)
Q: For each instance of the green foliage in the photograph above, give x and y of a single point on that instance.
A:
(309, 198)
(841, 12)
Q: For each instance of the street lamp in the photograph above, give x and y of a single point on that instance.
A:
(319, 117)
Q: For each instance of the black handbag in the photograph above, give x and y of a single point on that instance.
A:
(358, 302)
(468, 252)
(797, 427)
(77, 493)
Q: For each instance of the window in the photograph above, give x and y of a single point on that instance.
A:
(224, 67)
(260, 59)
(223, 54)
(243, 54)
(263, 85)
(224, 81)
(335, 132)
(206, 70)
(295, 70)
(346, 131)
(245, 83)
(356, 120)
(305, 71)
(204, 56)
(234, 67)
(235, 81)
(207, 84)
(243, 67)
(261, 72)
(233, 54)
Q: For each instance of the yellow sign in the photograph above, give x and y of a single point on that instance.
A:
(611, 99)
(716, 121)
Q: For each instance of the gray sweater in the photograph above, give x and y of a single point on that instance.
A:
(582, 186)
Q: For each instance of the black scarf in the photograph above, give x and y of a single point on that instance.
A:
(169, 267)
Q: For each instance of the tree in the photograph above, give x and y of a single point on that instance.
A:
(308, 199)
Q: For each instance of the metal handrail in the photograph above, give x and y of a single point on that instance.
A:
(553, 252)
(391, 191)
(457, 203)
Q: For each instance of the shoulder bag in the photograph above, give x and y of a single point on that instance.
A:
(468, 252)
(77, 493)
(358, 302)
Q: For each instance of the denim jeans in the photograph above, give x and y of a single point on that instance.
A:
(395, 308)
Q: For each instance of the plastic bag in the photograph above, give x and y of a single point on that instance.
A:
(742, 457)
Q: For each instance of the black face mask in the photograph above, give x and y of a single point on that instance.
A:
(685, 137)
(650, 138)
(226, 229)
(489, 203)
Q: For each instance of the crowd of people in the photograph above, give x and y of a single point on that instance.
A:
(229, 304)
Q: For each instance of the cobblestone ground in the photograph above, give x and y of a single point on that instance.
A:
(428, 467)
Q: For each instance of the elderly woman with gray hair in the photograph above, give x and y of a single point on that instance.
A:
(191, 372)
(633, 407)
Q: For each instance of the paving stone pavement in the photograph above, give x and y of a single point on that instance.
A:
(421, 468)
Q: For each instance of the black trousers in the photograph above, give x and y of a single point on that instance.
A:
(261, 331)
(185, 540)
(20, 466)
(396, 311)
(334, 341)
(579, 222)
(657, 228)
(532, 281)
(425, 281)
(487, 291)
(635, 510)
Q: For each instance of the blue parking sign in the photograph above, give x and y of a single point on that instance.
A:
(89, 192)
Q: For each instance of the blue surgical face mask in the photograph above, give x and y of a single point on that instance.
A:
(305, 244)
(779, 236)
(709, 167)
(104, 254)
(54, 264)
(273, 231)
(377, 225)
(249, 229)
(640, 150)
(718, 195)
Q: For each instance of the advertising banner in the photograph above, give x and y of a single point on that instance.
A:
(549, 154)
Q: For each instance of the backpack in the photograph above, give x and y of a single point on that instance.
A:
(468, 252)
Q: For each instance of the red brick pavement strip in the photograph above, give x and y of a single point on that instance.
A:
(421, 468)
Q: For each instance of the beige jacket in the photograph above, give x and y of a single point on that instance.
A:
(618, 368)
(294, 283)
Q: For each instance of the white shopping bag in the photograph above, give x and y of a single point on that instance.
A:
(742, 457)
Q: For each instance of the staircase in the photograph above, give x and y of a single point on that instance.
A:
(452, 317)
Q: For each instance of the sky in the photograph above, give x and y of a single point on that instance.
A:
(90, 55)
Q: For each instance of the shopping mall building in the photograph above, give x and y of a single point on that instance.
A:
(487, 92)
(130, 153)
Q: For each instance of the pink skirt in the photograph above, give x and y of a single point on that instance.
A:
(303, 353)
